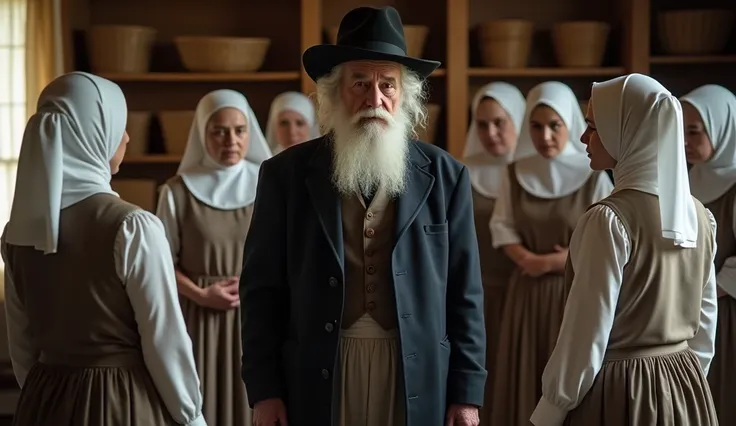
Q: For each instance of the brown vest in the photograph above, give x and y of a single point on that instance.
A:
(368, 236)
(722, 210)
(77, 307)
(662, 289)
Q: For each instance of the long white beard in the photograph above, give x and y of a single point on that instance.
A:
(369, 154)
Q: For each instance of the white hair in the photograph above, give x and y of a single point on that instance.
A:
(368, 156)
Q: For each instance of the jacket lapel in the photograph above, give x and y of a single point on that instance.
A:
(326, 200)
(420, 183)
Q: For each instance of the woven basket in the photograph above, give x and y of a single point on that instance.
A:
(175, 127)
(428, 133)
(506, 43)
(141, 192)
(580, 44)
(415, 35)
(120, 48)
(694, 32)
(222, 54)
(138, 130)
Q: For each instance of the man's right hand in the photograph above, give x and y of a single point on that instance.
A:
(270, 412)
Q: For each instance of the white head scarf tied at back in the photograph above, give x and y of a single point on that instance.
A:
(717, 108)
(486, 178)
(570, 169)
(290, 101)
(641, 126)
(218, 186)
(65, 155)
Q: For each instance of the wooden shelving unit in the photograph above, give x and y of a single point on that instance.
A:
(295, 25)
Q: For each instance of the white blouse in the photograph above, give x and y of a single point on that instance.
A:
(503, 228)
(144, 265)
(599, 249)
(726, 277)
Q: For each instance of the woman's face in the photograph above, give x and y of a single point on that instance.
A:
(227, 136)
(496, 131)
(117, 158)
(548, 131)
(291, 128)
(600, 159)
(698, 147)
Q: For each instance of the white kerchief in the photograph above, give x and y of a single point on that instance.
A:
(290, 101)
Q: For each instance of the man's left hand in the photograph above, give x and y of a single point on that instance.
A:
(462, 415)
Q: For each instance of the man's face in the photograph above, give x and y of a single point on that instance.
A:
(371, 86)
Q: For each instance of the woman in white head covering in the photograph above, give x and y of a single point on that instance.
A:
(541, 197)
(206, 210)
(498, 112)
(710, 145)
(94, 326)
(639, 323)
(291, 121)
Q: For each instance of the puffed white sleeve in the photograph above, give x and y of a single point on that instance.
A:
(599, 249)
(603, 187)
(726, 277)
(503, 228)
(166, 211)
(144, 264)
(23, 355)
(704, 341)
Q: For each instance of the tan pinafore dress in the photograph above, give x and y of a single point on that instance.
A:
(211, 249)
(722, 374)
(496, 269)
(650, 376)
(533, 309)
(90, 370)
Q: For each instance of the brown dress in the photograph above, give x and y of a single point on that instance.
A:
(90, 370)
(496, 269)
(722, 374)
(533, 309)
(650, 376)
(210, 250)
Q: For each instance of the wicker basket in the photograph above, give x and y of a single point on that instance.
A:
(506, 43)
(428, 133)
(175, 127)
(141, 192)
(580, 44)
(138, 130)
(415, 35)
(694, 32)
(120, 48)
(222, 54)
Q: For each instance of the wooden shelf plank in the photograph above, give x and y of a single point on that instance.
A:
(546, 72)
(152, 158)
(439, 72)
(171, 77)
(697, 59)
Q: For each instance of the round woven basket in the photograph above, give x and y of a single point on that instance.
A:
(580, 44)
(222, 54)
(429, 132)
(175, 127)
(506, 43)
(120, 48)
(694, 32)
(138, 130)
(415, 35)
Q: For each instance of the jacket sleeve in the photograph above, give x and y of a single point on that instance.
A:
(465, 323)
(264, 294)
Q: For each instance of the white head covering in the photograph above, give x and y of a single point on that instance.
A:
(486, 177)
(717, 107)
(640, 125)
(218, 186)
(65, 155)
(568, 171)
(290, 101)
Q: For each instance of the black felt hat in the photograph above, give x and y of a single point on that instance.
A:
(366, 34)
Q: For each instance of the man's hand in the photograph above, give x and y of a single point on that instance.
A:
(270, 412)
(462, 415)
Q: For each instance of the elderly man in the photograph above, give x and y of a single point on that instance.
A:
(361, 287)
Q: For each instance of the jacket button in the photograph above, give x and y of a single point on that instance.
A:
(328, 327)
(333, 282)
(325, 374)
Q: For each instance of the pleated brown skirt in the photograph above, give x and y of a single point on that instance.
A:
(722, 374)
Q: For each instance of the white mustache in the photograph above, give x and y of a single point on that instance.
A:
(373, 113)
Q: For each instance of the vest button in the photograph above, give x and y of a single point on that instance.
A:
(333, 282)
(325, 374)
(371, 306)
(370, 269)
(328, 327)
(370, 232)
(369, 215)
(370, 288)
